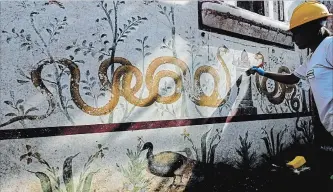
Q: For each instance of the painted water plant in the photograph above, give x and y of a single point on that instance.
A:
(273, 143)
(248, 158)
(50, 178)
(207, 147)
(135, 170)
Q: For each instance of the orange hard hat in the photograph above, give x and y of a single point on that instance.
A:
(308, 11)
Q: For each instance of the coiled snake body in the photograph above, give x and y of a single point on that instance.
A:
(122, 78)
(121, 84)
(280, 90)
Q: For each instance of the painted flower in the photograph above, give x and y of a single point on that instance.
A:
(185, 134)
(101, 150)
(29, 155)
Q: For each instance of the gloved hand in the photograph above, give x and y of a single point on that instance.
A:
(255, 69)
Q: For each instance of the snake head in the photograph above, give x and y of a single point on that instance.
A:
(259, 56)
(223, 49)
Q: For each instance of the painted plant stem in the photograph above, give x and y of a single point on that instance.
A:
(144, 54)
(114, 30)
(57, 74)
(184, 112)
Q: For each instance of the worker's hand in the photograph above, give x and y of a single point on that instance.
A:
(255, 69)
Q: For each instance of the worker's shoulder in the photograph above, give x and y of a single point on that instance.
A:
(328, 40)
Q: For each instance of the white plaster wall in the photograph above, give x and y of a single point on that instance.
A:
(16, 175)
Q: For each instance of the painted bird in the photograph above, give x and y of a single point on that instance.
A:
(167, 163)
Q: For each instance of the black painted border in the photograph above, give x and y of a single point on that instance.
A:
(130, 126)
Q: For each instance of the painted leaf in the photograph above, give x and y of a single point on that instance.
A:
(87, 182)
(77, 50)
(88, 93)
(8, 39)
(37, 155)
(68, 173)
(44, 181)
(100, 58)
(102, 94)
(69, 47)
(145, 38)
(23, 156)
(103, 35)
(8, 103)
(212, 153)
(267, 146)
(10, 114)
(272, 142)
(24, 44)
(138, 49)
(49, 31)
(70, 107)
(79, 61)
(64, 86)
(84, 42)
(204, 146)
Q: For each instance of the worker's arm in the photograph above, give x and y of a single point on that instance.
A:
(282, 78)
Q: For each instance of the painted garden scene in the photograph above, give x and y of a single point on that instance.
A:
(157, 95)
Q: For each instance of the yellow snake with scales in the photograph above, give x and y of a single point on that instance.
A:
(121, 84)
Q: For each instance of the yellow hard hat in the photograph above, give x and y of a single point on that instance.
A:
(307, 12)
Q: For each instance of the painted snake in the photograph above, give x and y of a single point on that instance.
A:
(278, 95)
(121, 84)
